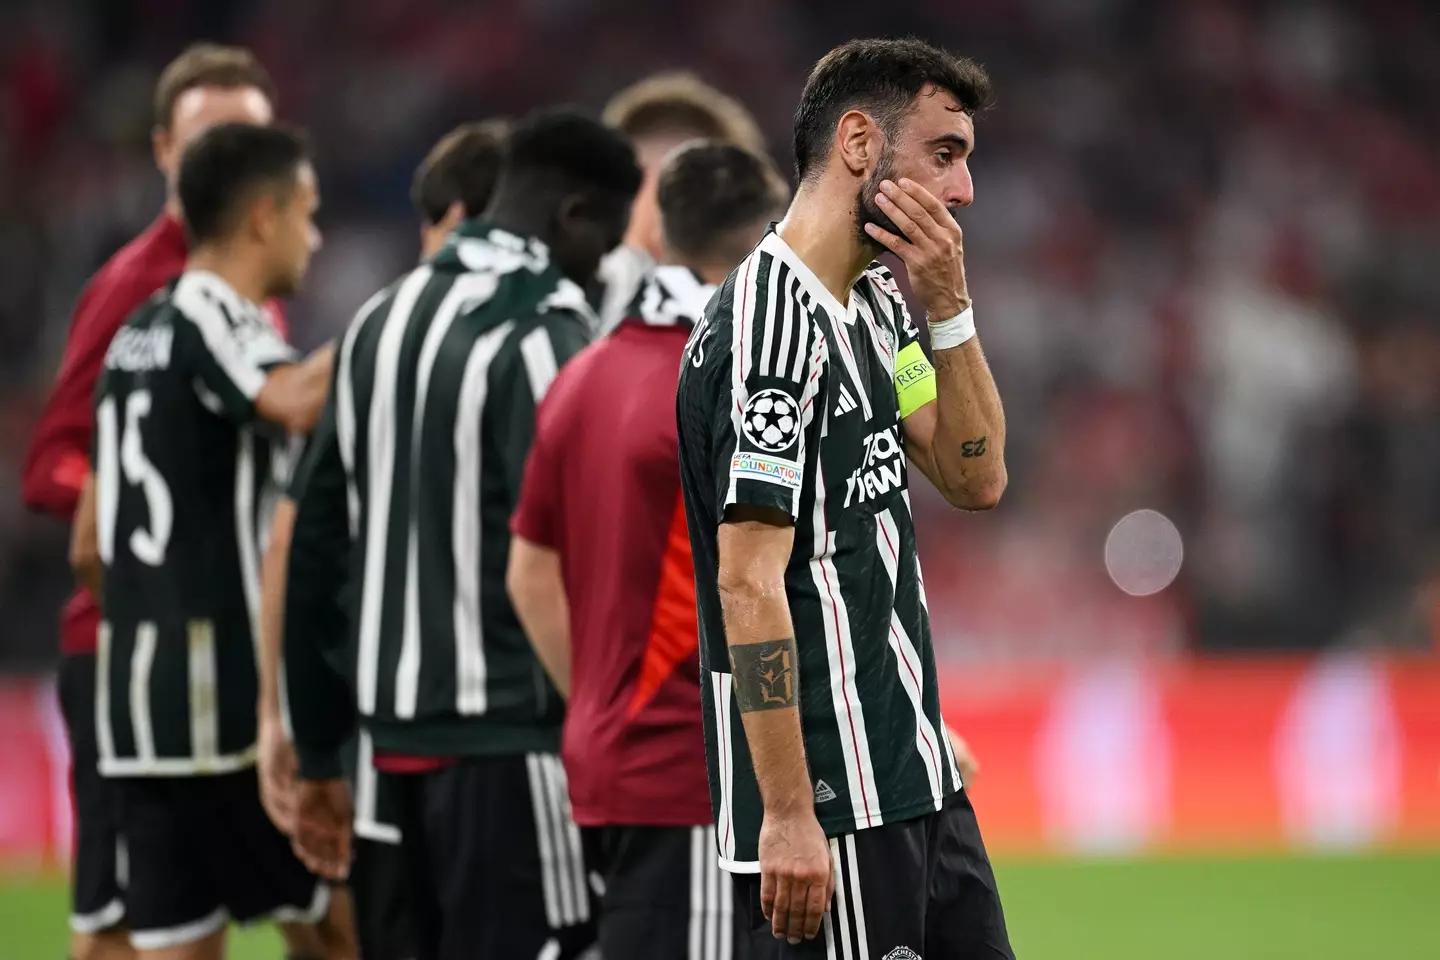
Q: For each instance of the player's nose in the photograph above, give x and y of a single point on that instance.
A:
(317, 240)
(960, 190)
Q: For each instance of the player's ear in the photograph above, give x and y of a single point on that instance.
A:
(453, 215)
(263, 218)
(162, 143)
(858, 141)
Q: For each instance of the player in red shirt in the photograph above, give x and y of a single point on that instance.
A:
(601, 576)
(205, 86)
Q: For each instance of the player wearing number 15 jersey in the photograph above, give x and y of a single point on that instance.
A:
(197, 393)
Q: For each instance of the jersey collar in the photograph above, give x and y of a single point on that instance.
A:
(671, 296)
(775, 245)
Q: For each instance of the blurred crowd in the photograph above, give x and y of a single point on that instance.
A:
(1203, 252)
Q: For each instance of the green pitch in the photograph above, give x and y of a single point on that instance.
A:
(1333, 908)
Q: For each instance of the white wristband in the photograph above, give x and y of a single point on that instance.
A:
(953, 332)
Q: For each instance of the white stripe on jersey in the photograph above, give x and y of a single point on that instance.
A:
(142, 659)
(909, 666)
(840, 648)
(470, 667)
(107, 480)
(197, 298)
(204, 715)
(777, 313)
(878, 340)
(803, 342)
(742, 335)
(345, 405)
(787, 313)
(725, 821)
(367, 823)
(245, 539)
(381, 467)
(104, 733)
(539, 355)
(466, 289)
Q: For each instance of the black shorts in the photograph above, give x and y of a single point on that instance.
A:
(96, 903)
(494, 860)
(380, 890)
(203, 852)
(664, 894)
(919, 888)
(379, 886)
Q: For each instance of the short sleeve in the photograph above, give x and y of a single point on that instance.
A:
(232, 349)
(767, 418)
(914, 374)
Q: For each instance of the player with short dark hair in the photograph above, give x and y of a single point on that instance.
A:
(197, 392)
(656, 115)
(395, 593)
(455, 181)
(457, 178)
(600, 533)
(838, 800)
(204, 86)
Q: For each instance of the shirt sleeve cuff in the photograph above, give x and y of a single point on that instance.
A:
(319, 764)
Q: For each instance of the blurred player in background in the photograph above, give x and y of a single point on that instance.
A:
(601, 576)
(395, 594)
(453, 183)
(803, 393)
(205, 85)
(658, 114)
(192, 408)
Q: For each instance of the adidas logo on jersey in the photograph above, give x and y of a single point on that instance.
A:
(846, 403)
(823, 792)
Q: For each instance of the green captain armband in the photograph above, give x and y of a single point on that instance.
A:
(914, 379)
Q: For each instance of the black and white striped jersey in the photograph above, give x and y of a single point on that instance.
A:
(787, 399)
(185, 482)
(398, 558)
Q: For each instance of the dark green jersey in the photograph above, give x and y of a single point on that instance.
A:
(413, 477)
(185, 480)
(787, 399)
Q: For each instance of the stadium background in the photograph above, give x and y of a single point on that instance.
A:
(1203, 250)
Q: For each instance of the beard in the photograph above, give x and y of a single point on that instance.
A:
(867, 210)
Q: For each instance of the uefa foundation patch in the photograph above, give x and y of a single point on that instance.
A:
(754, 466)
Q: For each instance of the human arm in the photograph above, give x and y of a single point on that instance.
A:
(294, 393)
(243, 365)
(313, 644)
(957, 440)
(276, 754)
(58, 457)
(537, 590)
(85, 558)
(764, 419)
(796, 874)
(534, 578)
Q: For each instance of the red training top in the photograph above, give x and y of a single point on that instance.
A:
(59, 454)
(602, 487)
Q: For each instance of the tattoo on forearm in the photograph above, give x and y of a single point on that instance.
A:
(765, 675)
(971, 449)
